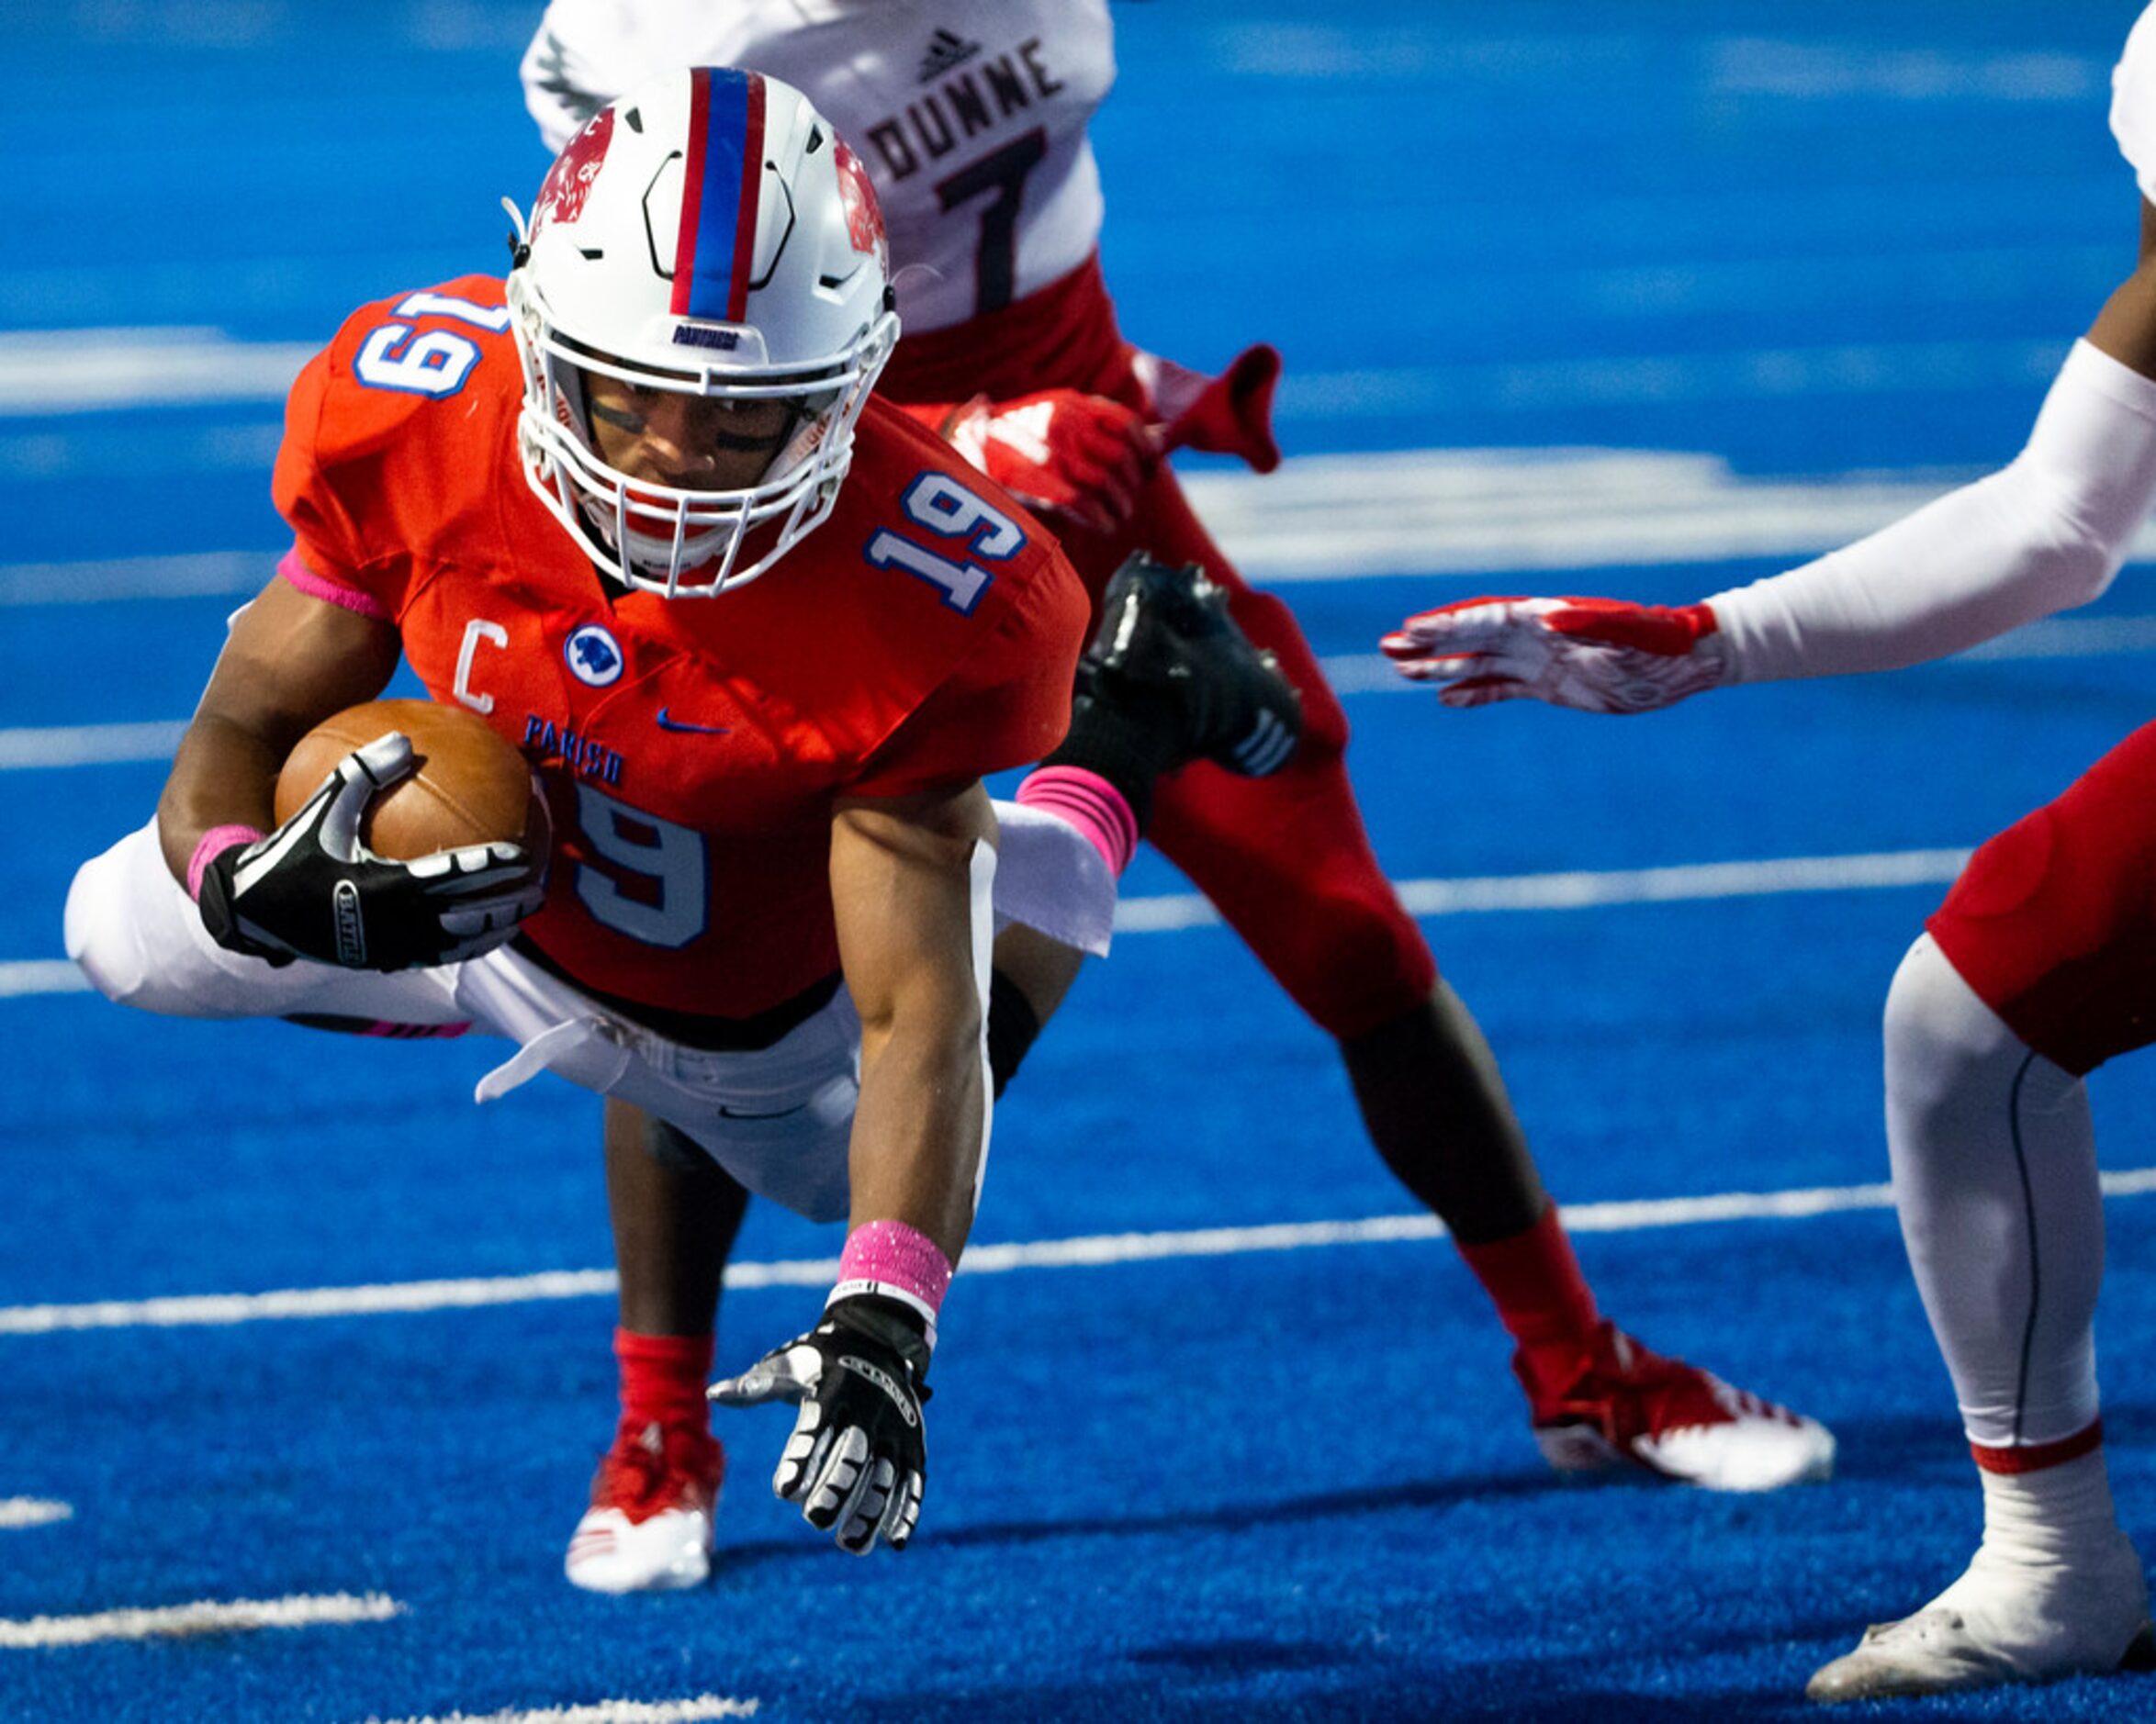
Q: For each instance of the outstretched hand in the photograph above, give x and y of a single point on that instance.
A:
(857, 1460)
(1594, 655)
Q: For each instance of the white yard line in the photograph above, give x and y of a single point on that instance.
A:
(1473, 895)
(211, 1310)
(65, 373)
(1583, 890)
(88, 744)
(1696, 882)
(1420, 514)
(203, 1616)
(43, 747)
(19, 1512)
(41, 976)
(1089, 1251)
(189, 576)
(703, 1707)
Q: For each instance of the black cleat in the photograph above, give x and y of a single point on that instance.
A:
(1167, 646)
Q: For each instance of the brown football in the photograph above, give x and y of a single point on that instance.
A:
(470, 787)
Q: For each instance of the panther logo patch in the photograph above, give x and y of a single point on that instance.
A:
(593, 655)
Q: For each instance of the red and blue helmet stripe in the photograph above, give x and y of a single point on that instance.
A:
(716, 248)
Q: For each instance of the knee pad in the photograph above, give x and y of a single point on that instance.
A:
(99, 923)
(1939, 1035)
(1994, 1173)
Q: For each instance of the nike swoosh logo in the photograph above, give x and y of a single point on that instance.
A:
(734, 1112)
(665, 723)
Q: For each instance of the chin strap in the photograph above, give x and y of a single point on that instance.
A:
(519, 238)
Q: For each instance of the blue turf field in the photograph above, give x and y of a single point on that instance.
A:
(1811, 239)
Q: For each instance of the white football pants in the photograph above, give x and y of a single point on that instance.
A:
(779, 1119)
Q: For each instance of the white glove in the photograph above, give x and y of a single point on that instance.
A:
(1597, 655)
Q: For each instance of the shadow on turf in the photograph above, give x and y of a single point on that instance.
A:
(1229, 1518)
(1250, 1679)
(1505, 1690)
(1918, 1449)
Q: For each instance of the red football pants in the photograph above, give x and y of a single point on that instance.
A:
(1285, 859)
(2053, 922)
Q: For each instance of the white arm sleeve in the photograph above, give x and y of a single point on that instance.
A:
(2045, 532)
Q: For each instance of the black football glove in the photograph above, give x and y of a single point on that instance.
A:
(312, 889)
(857, 1460)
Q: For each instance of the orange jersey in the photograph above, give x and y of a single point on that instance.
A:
(691, 749)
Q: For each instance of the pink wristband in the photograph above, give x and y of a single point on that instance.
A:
(898, 1262)
(212, 845)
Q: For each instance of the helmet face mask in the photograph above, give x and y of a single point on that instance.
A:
(705, 246)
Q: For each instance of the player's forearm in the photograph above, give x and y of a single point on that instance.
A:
(2045, 534)
(225, 774)
(289, 661)
(920, 1127)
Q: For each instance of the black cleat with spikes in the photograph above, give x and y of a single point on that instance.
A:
(1167, 646)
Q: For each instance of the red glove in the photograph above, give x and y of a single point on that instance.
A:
(1597, 655)
(1228, 415)
(1083, 457)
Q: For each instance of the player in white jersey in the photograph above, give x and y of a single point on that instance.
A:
(970, 117)
(1023, 75)
(2036, 967)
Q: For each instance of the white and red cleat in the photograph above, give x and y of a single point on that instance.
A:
(2004, 1622)
(649, 1526)
(1620, 1407)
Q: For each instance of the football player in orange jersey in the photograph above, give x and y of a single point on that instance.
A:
(761, 636)
(971, 118)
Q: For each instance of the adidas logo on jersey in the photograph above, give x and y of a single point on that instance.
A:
(946, 50)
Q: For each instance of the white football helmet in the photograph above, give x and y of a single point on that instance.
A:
(707, 234)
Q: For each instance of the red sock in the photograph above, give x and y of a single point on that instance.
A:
(663, 1376)
(2039, 1456)
(1542, 1300)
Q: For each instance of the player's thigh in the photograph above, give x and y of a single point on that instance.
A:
(140, 939)
(779, 1119)
(1285, 859)
(2053, 922)
(1165, 527)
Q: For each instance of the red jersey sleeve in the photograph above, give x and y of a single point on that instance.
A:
(1006, 703)
(328, 541)
(376, 435)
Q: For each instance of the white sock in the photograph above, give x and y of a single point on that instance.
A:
(2054, 1517)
